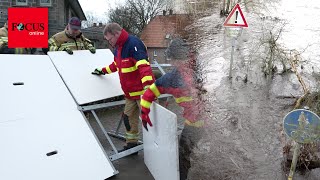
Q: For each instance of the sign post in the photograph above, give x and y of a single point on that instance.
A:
(234, 22)
(303, 127)
(233, 43)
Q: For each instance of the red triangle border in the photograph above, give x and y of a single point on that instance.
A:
(237, 6)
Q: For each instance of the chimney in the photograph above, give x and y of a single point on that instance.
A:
(164, 12)
(170, 12)
(100, 24)
(94, 24)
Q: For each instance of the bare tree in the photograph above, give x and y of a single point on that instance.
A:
(169, 4)
(92, 18)
(125, 17)
(198, 8)
(136, 14)
(145, 10)
(255, 6)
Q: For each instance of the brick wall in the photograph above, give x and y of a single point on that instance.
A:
(161, 57)
(57, 12)
(57, 16)
(4, 4)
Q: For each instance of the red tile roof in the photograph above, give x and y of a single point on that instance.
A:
(154, 34)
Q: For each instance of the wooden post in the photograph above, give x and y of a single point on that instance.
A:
(294, 160)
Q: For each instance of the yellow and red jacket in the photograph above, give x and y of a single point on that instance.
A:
(62, 39)
(5, 50)
(4, 31)
(131, 62)
(4, 44)
(179, 83)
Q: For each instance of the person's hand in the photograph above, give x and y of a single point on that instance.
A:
(145, 118)
(68, 50)
(92, 50)
(98, 71)
(3, 42)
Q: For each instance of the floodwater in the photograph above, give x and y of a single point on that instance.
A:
(243, 138)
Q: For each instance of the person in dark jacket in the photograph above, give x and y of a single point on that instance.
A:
(179, 83)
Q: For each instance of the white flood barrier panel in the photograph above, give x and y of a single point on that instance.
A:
(42, 133)
(76, 70)
(161, 154)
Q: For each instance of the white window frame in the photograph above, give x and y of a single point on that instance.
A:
(21, 3)
(155, 53)
(46, 4)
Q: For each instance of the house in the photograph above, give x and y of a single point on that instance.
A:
(60, 11)
(95, 34)
(160, 31)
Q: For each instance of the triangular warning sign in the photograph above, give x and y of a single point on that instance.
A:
(235, 18)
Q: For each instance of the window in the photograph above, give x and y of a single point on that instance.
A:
(166, 55)
(21, 2)
(155, 53)
(45, 3)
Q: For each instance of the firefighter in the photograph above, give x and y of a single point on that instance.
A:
(179, 83)
(4, 43)
(4, 30)
(70, 39)
(4, 38)
(131, 62)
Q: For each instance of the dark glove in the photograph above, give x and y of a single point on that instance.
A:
(33, 50)
(6, 50)
(45, 50)
(68, 50)
(3, 43)
(145, 118)
(98, 71)
(92, 50)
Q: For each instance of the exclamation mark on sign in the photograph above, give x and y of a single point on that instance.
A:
(236, 17)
